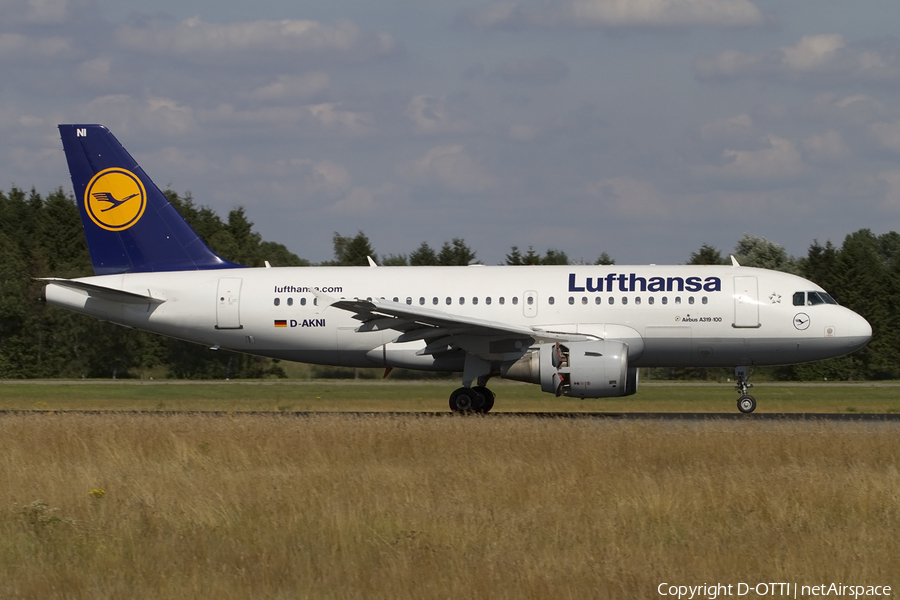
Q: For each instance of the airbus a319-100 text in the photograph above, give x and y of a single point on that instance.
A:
(577, 330)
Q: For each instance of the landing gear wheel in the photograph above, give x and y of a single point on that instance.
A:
(466, 400)
(746, 404)
(488, 398)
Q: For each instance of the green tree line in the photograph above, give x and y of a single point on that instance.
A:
(41, 236)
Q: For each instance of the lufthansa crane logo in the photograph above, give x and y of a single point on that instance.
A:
(115, 199)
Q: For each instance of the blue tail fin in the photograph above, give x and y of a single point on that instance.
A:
(131, 227)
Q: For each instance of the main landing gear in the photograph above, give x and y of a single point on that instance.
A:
(477, 399)
(746, 403)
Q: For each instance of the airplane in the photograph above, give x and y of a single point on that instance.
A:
(579, 331)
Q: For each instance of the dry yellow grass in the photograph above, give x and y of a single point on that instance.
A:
(414, 507)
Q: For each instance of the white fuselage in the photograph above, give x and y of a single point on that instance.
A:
(667, 315)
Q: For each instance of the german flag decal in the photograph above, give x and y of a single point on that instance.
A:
(280, 323)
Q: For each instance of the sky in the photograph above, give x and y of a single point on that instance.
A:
(638, 128)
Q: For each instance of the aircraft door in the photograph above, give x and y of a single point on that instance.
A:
(529, 303)
(228, 303)
(746, 302)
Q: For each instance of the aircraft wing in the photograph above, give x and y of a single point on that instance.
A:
(443, 330)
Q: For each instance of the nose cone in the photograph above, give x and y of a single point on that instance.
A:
(858, 331)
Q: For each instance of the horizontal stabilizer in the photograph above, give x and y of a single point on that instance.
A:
(103, 293)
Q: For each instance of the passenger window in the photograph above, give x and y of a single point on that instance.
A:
(433, 301)
(422, 300)
(677, 299)
(665, 299)
(277, 301)
(598, 300)
(408, 300)
(462, 300)
(302, 301)
(799, 298)
(584, 299)
(551, 300)
(637, 300)
(612, 300)
(571, 299)
(502, 300)
(690, 299)
(624, 299)
(475, 300)
(315, 301)
(369, 299)
(704, 300)
(396, 299)
(290, 301)
(449, 300)
(650, 300)
(487, 300)
(530, 300)
(515, 300)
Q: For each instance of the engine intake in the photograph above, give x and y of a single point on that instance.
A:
(580, 369)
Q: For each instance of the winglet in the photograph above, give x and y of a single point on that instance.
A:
(372, 263)
(324, 300)
(734, 262)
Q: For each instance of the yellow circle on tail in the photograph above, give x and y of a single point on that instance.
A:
(115, 199)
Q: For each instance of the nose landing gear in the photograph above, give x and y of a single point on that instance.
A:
(746, 403)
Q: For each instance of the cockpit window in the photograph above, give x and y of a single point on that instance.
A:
(812, 298)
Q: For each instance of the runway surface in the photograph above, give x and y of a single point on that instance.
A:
(635, 416)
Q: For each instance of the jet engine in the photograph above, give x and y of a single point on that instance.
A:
(582, 369)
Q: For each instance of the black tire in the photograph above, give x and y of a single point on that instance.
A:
(488, 398)
(466, 400)
(746, 404)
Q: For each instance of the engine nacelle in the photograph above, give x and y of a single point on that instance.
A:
(580, 369)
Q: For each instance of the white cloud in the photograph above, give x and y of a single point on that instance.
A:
(655, 14)
(521, 132)
(22, 48)
(123, 113)
(825, 147)
(358, 200)
(728, 129)
(345, 121)
(778, 163)
(95, 70)
(180, 160)
(450, 167)
(812, 51)
(816, 59)
(34, 12)
(630, 197)
(887, 134)
(226, 115)
(501, 15)
(891, 180)
(531, 71)
(286, 87)
(430, 114)
(246, 43)
(330, 178)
